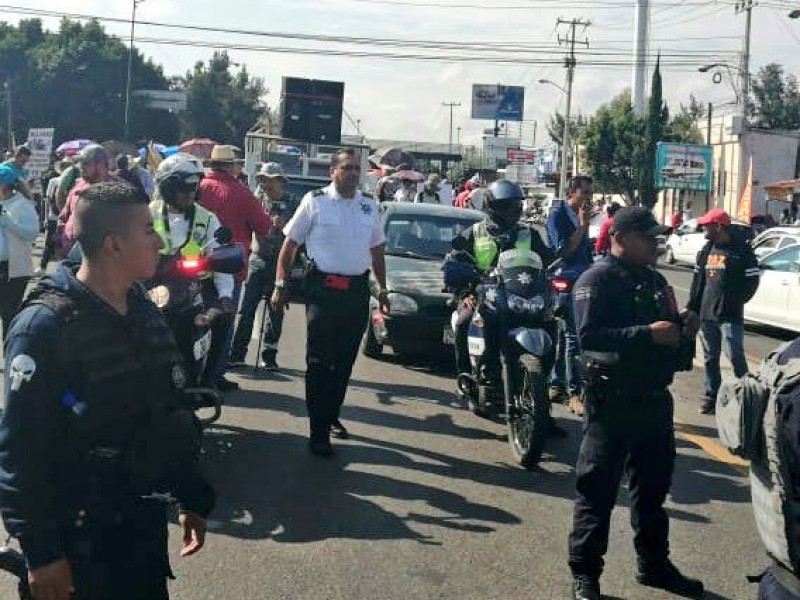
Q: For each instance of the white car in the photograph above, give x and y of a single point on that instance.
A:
(688, 239)
(777, 301)
(774, 239)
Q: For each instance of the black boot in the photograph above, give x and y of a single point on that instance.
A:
(585, 587)
(668, 577)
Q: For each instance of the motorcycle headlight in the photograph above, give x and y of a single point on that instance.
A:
(402, 304)
(159, 296)
(527, 306)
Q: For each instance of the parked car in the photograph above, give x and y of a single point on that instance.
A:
(688, 239)
(775, 238)
(777, 301)
(418, 236)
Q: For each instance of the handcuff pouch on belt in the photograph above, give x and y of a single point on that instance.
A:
(598, 370)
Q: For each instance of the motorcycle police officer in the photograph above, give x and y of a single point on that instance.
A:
(499, 230)
(93, 438)
(632, 341)
(187, 228)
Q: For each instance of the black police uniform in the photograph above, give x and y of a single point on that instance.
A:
(491, 331)
(93, 436)
(628, 422)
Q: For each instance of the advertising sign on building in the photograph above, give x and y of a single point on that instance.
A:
(522, 156)
(40, 141)
(498, 102)
(683, 166)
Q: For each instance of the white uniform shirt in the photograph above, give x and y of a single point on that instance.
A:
(339, 233)
(179, 228)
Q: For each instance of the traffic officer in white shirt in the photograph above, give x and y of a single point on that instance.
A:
(343, 234)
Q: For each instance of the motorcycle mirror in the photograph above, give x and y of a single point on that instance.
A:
(223, 235)
(555, 265)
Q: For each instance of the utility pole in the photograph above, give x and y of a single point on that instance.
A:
(458, 137)
(569, 63)
(535, 123)
(745, 6)
(128, 79)
(640, 47)
(451, 106)
(708, 143)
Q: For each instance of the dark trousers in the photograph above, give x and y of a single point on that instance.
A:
(494, 330)
(49, 251)
(635, 434)
(772, 589)
(12, 291)
(260, 284)
(336, 322)
(126, 560)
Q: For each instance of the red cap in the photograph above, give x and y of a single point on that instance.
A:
(716, 216)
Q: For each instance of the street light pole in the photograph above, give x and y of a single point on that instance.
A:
(128, 79)
(451, 106)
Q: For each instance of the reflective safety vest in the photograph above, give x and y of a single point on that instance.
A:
(197, 237)
(485, 246)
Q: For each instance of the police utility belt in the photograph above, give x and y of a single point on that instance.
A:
(604, 377)
(334, 281)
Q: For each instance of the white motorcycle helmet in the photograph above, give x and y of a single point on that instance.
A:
(180, 172)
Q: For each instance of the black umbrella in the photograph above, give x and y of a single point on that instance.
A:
(393, 157)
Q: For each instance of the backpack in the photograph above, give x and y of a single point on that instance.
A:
(742, 403)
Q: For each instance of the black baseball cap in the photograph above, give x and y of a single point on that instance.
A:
(632, 219)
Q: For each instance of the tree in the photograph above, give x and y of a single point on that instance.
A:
(74, 80)
(683, 126)
(613, 139)
(776, 99)
(655, 125)
(221, 105)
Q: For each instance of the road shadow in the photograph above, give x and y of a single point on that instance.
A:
(269, 486)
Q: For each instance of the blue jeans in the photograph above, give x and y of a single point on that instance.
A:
(714, 333)
(565, 370)
(260, 283)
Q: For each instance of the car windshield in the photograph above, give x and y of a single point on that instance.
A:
(423, 236)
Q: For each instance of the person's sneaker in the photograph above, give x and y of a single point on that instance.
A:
(557, 394)
(709, 406)
(226, 385)
(585, 588)
(576, 405)
(339, 431)
(321, 448)
(671, 579)
(268, 363)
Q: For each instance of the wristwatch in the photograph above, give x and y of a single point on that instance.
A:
(280, 284)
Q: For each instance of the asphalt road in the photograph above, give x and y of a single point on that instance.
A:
(425, 502)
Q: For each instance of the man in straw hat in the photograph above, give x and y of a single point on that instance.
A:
(241, 212)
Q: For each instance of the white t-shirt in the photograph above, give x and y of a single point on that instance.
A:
(339, 233)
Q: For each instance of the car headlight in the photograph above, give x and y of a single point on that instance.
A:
(402, 305)
(159, 296)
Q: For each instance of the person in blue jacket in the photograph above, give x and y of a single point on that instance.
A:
(568, 235)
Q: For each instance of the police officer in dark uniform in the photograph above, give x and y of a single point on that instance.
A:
(500, 230)
(94, 441)
(632, 341)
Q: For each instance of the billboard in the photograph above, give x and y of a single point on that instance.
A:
(683, 166)
(40, 141)
(497, 102)
(523, 156)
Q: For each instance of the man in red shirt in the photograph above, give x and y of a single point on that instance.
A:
(240, 211)
(602, 244)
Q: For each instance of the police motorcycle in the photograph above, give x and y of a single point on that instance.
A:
(519, 289)
(180, 289)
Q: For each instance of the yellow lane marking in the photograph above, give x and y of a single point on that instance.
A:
(708, 445)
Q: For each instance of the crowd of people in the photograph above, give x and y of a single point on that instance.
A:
(92, 370)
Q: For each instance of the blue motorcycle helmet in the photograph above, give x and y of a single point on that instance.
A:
(503, 202)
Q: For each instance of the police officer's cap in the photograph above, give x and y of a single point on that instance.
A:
(637, 219)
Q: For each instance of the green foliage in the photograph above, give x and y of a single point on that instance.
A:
(613, 140)
(655, 126)
(221, 105)
(683, 126)
(74, 80)
(776, 99)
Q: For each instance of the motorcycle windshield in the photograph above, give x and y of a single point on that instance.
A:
(522, 272)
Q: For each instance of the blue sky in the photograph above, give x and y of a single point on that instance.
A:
(402, 99)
